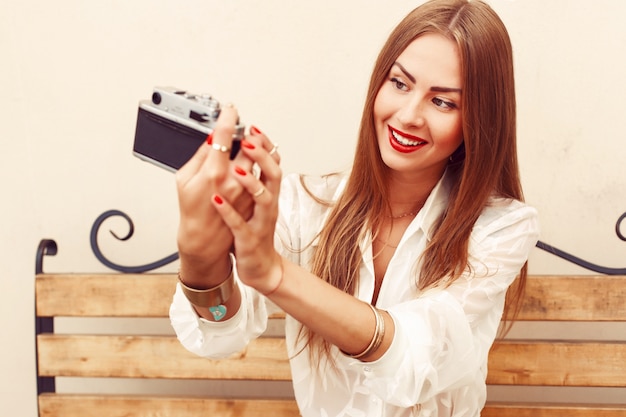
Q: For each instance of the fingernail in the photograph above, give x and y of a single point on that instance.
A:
(255, 130)
(240, 171)
(209, 138)
(218, 199)
(247, 144)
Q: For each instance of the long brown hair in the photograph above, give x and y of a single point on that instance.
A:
(486, 166)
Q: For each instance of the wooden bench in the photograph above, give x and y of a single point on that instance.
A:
(576, 363)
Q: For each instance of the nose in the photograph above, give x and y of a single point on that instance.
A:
(411, 113)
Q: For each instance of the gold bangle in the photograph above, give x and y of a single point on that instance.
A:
(211, 297)
(377, 338)
(380, 335)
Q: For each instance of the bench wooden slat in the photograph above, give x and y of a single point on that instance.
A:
(156, 357)
(549, 298)
(575, 298)
(510, 362)
(558, 363)
(75, 405)
(494, 409)
(104, 295)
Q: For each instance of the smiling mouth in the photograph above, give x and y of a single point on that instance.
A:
(403, 142)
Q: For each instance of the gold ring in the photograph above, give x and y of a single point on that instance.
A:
(274, 149)
(221, 148)
(259, 192)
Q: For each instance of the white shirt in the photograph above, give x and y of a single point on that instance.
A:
(437, 363)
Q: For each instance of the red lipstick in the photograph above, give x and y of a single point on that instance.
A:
(400, 147)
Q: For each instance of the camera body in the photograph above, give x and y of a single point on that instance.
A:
(173, 124)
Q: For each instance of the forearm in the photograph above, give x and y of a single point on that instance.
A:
(339, 318)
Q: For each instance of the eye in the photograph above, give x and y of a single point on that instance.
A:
(443, 104)
(398, 84)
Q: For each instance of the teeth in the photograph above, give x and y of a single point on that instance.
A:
(404, 141)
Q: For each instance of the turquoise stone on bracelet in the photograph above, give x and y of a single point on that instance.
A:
(218, 312)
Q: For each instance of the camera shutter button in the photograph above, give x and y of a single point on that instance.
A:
(209, 101)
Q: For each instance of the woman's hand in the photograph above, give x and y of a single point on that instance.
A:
(258, 264)
(203, 239)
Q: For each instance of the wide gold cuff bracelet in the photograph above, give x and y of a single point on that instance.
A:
(213, 296)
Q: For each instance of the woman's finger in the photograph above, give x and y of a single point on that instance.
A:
(267, 144)
(241, 159)
(221, 142)
(231, 217)
(271, 174)
(265, 202)
(254, 186)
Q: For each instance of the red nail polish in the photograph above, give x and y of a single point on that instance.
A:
(255, 130)
(240, 171)
(218, 199)
(209, 138)
(247, 144)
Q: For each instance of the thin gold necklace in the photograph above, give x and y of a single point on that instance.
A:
(407, 214)
(399, 216)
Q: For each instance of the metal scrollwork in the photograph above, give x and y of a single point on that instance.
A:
(93, 238)
(49, 247)
(618, 226)
(585, 264)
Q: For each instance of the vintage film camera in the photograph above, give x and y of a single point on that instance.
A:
(173, 124)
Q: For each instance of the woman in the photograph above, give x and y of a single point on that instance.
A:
(393, 277)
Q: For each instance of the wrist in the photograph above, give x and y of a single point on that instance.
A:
(201, 274)
(276, 281)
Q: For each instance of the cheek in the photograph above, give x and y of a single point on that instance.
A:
(382, 107)
(452, 135)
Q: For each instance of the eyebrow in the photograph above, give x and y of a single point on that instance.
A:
(434, 88)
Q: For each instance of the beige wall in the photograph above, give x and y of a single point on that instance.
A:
(72, 72)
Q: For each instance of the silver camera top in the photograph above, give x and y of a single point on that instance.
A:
(198, 111)
(173, 124)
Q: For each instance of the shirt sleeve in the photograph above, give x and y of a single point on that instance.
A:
(218, 340)
(442, 338)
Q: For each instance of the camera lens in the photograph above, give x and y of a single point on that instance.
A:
(156, 98)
